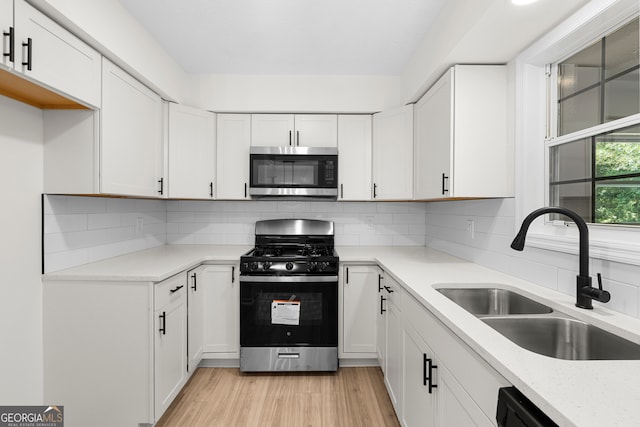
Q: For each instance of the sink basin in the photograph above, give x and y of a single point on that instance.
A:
(493, 301)
(564, 338)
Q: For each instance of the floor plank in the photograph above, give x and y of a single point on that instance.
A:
(225, 397)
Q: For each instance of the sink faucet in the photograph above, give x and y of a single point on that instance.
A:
(584, 291)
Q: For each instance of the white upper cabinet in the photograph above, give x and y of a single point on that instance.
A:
(8, 34)
(316, 130)
(192, 152)
(233, 141)
(302, 130)
(354, 158)
(48, 54)
(462, 148)
(131, 161)
(393, 154)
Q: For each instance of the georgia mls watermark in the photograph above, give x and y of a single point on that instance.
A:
(31, 416)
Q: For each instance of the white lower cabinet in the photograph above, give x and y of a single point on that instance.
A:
(170, 341)
(221, 312)
(357, 311)
(381, 324)
(418, 406)
(195, 317)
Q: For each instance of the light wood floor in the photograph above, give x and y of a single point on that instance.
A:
(226, 397)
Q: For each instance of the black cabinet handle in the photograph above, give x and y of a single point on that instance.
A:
(379, 282)
(382, 300)
(12, 51)
(195, 282)
(29, 46)
(427, 373)
(233, 273)
(211, 189)
(245, 190)
(289, 137)
(163, 323)
(342, 191)
(388, 289)
(161, 182)
(346, 275)
(444, 178)
(375, 187)
(298, 137)
(176, 289)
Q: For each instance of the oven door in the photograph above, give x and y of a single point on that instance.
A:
(293, 171)
(288, 311)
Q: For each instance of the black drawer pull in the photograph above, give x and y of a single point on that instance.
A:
(163, 323)
(195, 279)
(388, 289)
(29, 46)
(176, 289)
(12, 52)
(427, 373)
(382, 300)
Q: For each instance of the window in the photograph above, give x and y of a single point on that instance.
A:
(594, 161)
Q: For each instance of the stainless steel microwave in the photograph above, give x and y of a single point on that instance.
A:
(293, 172)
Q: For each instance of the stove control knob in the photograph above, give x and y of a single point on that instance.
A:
(266, 265)
(289, 266)
(323, 266)
(254, 265)
(312, 266)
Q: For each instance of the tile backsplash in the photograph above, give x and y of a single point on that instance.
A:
(78, 230)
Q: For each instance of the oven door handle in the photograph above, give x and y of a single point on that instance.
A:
(289, 279)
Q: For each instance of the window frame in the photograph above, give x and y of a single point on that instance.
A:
(536, 125)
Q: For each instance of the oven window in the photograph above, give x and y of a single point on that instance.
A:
(316, 326)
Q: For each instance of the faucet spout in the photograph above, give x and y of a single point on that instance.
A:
(584, 291)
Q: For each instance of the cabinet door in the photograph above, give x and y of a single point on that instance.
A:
(233, 141)
(131, 142)
(221, 310)
(418, 405)
(192, 152)
(195, 319)
(381, 325)
(359, 296)
(434, 141)
(170, 352)
(6, 26)
(55, 57)
(316, 130)
(354, 162)
(393, 374)
(393, 154)
(455, 406)
(272, 130)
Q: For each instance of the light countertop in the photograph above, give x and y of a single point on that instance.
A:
(573, 393)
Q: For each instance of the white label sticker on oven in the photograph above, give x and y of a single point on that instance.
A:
(284, 312)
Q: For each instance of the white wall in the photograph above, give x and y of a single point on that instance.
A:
(297, 93)
(495, 228)
(21, 176)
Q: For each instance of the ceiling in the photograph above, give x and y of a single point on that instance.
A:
(334, 37)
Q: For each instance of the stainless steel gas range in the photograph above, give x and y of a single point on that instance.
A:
(289, 298)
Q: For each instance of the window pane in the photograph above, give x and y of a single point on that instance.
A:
(618, 201)
(622, 96)
(580, 71)
(618, 153)
(576, 197)
(571, 161)
(621, 49)
(579, 112)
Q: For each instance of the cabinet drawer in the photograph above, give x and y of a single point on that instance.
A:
(392, 291)
(169, 290)
(475, 375)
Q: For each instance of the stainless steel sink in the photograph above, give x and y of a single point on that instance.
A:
(564, 338)
(493, 301)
